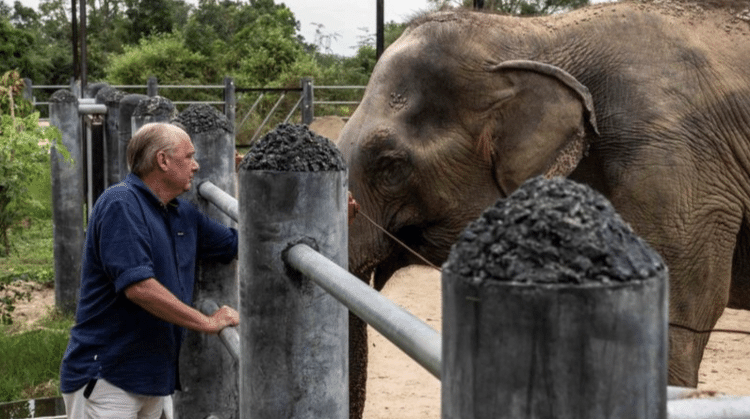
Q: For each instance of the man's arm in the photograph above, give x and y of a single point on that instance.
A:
(153, 297)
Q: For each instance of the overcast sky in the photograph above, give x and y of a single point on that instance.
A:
(342, 17)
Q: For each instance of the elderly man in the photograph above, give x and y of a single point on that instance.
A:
(142, 244)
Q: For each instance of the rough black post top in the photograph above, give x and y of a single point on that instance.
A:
(109, 96)
(552, 231)
(199, 118)
(92, 89)
(155, 106)
(293, 148)
(62, 96)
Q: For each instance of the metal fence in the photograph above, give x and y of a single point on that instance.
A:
(225, 99)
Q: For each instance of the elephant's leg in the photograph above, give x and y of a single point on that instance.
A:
(695, 231)
(357, 366)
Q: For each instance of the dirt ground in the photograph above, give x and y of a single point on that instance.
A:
(399, 388)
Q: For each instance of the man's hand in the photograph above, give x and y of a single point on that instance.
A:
(353, 208)
(237, 160)
(224, 317)
(153, 297)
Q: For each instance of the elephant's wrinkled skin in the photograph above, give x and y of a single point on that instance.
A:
(465, 106)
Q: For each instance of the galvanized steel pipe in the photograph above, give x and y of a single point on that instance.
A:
(725, 407)
(417, 339)
(223, 201)
(228, 335)
(92, 109)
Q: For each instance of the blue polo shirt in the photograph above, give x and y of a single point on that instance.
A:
(131, 236)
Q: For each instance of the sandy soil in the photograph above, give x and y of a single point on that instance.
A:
(399, 388)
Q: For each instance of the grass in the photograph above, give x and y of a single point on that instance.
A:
(30, 360)
(31, 257)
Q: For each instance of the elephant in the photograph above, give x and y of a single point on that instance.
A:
(647, 103)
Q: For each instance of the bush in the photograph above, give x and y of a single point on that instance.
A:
(24, 157)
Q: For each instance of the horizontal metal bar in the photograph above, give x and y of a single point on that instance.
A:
(225, 202)
(196, 102)
(267, 89)
(416, 338)
(228, 335)
(197, 86)
(88, 109)
(50, 86)
(336, 103)
(676, 393)
(339, 87)
(724, 407)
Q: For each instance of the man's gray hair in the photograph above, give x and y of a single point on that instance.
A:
(149, 140)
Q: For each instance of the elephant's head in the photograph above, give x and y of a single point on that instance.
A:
(449, 123)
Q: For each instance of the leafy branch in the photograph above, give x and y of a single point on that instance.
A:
(24, 155)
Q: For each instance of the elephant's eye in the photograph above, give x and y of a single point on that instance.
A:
(387, 169)
(393, 168)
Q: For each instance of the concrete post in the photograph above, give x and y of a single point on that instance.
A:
(553, 308)
(152, 87)
(293, 334)
(111, 97)
(307, 101)
(230, 100)
(67, 200)
(209, 372)
(92, 89)
(128, 104)
(152, 109)
(28, 90)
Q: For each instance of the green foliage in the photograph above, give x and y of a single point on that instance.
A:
(9, 296)
(31, 259)
(165, 56)
(30, 361)
(32, 256)
(24, 157)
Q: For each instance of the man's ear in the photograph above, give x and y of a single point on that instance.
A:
(161, 160)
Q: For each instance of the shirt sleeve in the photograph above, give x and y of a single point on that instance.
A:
(216, 241)
(124, 247)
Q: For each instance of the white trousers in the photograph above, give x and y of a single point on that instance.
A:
(111, 402)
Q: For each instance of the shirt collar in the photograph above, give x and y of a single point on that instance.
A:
(136, 181)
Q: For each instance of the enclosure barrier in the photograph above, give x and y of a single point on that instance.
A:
(416, 339)
(413, 336)
(410, 334)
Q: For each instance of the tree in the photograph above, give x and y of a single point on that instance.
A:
(163, 55)
(24, 155)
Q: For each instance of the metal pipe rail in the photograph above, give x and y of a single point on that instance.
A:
(417, 339)
(228, 335)
(215, 195)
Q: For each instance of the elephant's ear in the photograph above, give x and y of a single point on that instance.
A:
(538, 123)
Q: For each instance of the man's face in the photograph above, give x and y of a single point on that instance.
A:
(182, 164)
